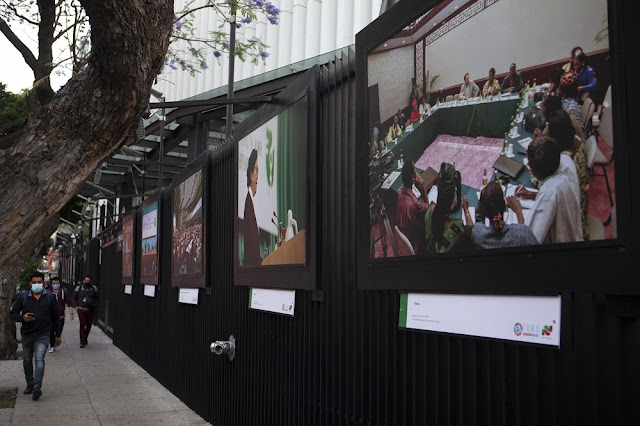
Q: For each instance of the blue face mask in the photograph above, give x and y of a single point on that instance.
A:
(55, 286)
(37, 288)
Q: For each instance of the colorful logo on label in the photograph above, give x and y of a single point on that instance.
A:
(546, 330)
(517, 329)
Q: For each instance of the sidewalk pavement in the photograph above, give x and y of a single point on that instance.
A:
(97, 385)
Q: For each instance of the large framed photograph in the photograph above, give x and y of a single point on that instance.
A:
(276, 209)
(188, 225)
(150, 239)
(128, 247)
(486, 134)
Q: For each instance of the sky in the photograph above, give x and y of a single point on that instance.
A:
(14, 72)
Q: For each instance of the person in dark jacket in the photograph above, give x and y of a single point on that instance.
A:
(85, 300)
(251, 232)
(62, 298)
(512, 83)
(37, 311)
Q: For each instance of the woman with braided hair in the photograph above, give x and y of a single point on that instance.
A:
(442, 233)
(499, 234)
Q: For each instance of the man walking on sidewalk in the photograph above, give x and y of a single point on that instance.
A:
(85, 300)
(62, 298)
(38, 312)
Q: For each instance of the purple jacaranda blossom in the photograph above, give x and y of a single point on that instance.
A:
(264, 54)
(273, 20)
(217, 54)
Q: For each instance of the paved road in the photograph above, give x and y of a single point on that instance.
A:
(97, 385)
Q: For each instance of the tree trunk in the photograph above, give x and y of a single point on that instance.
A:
(9, 273)
(88, 119)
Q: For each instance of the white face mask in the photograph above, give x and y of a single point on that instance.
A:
(37, 288)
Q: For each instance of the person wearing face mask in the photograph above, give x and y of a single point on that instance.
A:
(37, 311)
(85, 300)
(62, 298)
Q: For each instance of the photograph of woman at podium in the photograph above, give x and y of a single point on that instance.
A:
(272, 207)
(251, 231)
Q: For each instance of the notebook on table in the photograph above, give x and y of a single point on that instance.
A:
(508, 166)
(429, 177)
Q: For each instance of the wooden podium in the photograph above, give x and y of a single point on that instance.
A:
(290, 252)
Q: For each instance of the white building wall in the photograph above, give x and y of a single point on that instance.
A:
(307, 28)
(526, 32)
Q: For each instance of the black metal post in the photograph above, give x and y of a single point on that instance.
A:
(232, 59)
(161, 156)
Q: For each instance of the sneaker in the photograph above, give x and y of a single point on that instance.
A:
(28, 390)
(36, 394)
(82, 345)
(52, 350)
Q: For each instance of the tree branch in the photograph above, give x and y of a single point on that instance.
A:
(45, 31)
(207, 6)
(19, 45)
(63, 32)
(13, 9)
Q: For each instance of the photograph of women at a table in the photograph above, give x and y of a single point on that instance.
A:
(527, 160)
(273, 191)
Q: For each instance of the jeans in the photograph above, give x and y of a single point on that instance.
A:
(86, 320)
(52, 336)
(34, 343)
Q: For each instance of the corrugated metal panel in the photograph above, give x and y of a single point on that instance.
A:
(344, 360)
(307, 29)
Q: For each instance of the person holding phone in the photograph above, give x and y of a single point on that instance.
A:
(38, 312)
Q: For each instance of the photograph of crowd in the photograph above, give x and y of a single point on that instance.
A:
(273, 191)
(187, 218)
(491, 139)
(127, 248)
(149, 260)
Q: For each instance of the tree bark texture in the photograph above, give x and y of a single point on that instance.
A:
(64, 141)
(9, 273)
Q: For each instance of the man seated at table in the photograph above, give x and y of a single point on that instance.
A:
(512, 83)
(410, 210)
(491, 87)
(569, 93)
(402, 119)
(373, 147)
(556, 214)
(554, 103)
(395, 131)
(424, 108)
(573, 152)
(469, 89)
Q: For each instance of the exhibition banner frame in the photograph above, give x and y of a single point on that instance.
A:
(453, 271)
(276, 208)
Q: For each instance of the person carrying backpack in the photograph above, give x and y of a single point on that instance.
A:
(38, 312)
(62, 298)
(85, 300)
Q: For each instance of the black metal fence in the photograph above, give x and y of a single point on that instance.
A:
(342, 358)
